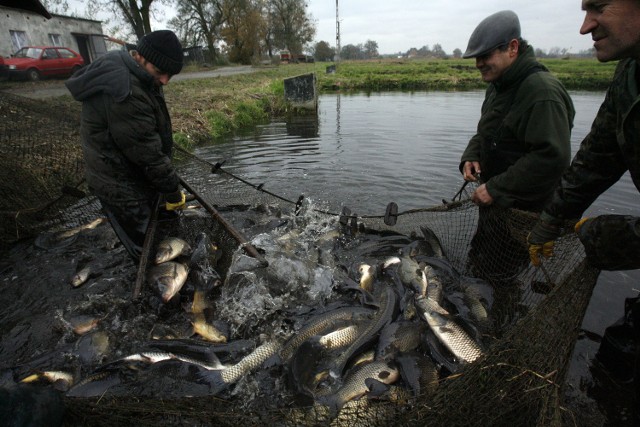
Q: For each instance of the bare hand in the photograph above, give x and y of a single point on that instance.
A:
(481, 196)
(469, 171)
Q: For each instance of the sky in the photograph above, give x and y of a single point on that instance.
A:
(399, 25)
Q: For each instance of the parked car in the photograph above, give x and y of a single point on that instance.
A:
(35, 62)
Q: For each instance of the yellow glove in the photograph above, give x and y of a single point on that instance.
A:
(580, 223)
(536, 251)
(175, 201)
(541, 241)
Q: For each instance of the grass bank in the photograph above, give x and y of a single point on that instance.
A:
(453, 74)
(214, 107)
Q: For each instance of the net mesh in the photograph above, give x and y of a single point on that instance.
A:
(537, 311)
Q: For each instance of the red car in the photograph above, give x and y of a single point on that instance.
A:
(35, 62)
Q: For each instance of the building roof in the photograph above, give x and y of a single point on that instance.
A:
(30, 5)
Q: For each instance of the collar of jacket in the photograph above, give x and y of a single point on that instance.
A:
(514, 73)
(110, 74)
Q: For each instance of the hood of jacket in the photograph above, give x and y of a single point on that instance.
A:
(110, 74)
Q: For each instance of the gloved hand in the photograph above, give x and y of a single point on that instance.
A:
(580, 223)
(541, 241)
(175, 200)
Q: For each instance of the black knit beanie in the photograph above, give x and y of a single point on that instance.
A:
(163, 50)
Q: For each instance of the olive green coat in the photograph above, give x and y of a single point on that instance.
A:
(523, 136)
(611, 148)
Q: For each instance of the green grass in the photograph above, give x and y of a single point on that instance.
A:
(208, 108)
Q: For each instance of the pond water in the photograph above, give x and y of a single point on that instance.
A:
(366, 150)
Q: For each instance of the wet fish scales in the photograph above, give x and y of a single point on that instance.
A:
(384, 314)
(355, 383)
(171, 248)
(452, 335)
(219, 380)
(323, 323)
(168, 277)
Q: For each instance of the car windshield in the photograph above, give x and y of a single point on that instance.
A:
(28, 52)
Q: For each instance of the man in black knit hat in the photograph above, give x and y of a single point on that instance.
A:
(126, 133)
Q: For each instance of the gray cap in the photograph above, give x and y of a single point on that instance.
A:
(495, 30)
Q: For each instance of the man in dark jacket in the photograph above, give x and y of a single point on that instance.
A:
(522, 144)
(612, 147)
(126, 133)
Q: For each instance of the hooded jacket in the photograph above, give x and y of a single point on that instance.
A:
(523, 136)
(125, 130)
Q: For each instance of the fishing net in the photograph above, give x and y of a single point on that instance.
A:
(536, 312)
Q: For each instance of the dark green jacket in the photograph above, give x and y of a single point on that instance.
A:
(126, 130)
(523, 137)
(611, 148)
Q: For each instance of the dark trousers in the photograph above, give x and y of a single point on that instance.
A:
(130, 221)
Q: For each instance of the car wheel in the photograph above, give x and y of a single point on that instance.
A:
(74, 69)
(33, 75)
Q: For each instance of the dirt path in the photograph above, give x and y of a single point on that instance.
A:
(52, 88)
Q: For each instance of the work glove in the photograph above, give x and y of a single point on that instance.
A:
(175, 201)
(580, 223)
(541, 241)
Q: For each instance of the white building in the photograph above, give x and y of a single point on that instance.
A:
(20, 28)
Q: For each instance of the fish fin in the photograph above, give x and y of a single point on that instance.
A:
(214, 379)
(368, 300)
(376, 388)
(272, 361)
(409, 371)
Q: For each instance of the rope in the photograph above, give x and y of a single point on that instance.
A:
(346, 215)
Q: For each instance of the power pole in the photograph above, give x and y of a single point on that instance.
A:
(337, 34)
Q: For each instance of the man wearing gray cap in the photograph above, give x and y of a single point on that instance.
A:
(522, 144)
(126, 133)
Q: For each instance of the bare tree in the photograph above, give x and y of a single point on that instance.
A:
(136, 14)
(200, 22)
(291, 26)
(243, 30)
(59, 7)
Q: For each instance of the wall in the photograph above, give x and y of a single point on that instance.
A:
(81, 35)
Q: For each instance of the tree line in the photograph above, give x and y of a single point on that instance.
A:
(239, 30)
(243, 31)
(323, 51)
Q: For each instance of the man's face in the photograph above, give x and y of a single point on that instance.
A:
(493, 65)
(614, 26)
(160, 78)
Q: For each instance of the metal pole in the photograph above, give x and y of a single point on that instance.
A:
(251, 250)
(337, 35)
(146, 248)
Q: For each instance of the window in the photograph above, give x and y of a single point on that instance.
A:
(55, 39)
(50, 54)
(18, 39)
(66, 53)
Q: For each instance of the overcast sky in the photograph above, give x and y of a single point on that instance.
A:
(399, 25)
